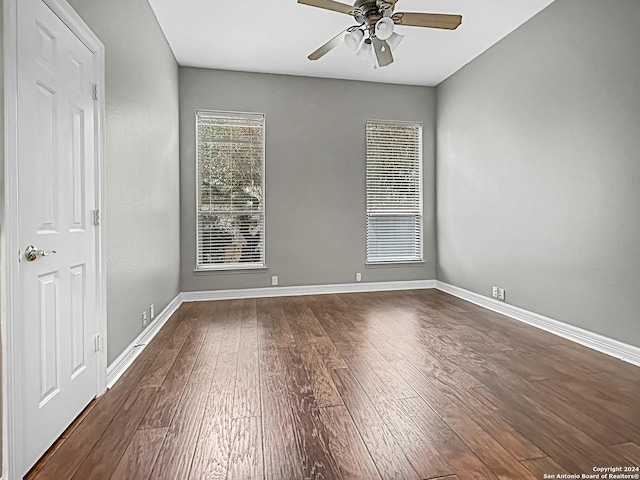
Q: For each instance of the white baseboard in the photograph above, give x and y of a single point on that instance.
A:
(305, 290)
(606, 345)
(126, 358)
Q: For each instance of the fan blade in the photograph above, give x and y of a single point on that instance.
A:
(329, 5)
(430, 20)
(383, 51)
(327, 47)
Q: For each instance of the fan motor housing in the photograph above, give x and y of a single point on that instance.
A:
(367, 12)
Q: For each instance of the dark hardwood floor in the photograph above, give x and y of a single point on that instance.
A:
(393, 385)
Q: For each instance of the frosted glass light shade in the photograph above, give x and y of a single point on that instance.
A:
(353, 39)
(384, 28)
(394, 40)
(365, 52)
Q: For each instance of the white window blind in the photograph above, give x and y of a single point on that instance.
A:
(230, 196)
(394, 192)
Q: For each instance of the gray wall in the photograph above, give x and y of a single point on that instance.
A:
(315, 173)
(539, 169)
(142, 206)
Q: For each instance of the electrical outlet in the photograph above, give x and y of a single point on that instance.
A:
(494, 292)
(152, 311)
(358, 277)
(274, 280)
(501, 294)
(144, 318)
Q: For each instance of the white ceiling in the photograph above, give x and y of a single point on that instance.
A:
(276, 37)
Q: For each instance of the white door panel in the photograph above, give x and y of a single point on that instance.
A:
(56, 197)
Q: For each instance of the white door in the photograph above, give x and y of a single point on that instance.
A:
(56, 199)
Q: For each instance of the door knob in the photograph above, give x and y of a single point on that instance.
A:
(32, 253)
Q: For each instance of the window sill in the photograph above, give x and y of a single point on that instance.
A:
(408, 263)
(229, 270)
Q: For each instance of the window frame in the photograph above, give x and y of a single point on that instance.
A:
(227, 267)
(420, 210)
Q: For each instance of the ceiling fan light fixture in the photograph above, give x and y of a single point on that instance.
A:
(366, 51)
(394, 40)
(352, 40)
(384, 28)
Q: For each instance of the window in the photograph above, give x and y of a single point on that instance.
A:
(230, 190)
(394, 192)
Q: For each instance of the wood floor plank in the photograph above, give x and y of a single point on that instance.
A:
(555, 359)
(576, 412)
(376, 379)
(179, 336)
(628, 451)
(618, 388)
(598, 362)
(305, 327)
(205, 364)
(346, 445)
(492, 440)
(616, 414)
(141, 454)
(160, 368)
(417, 439)
(515, 333)
(245, 459)
(388, 456)
(282, 333)
(33, 473)
(456, 407)
(247, 388)
(313, 440)
(515, 362)
(483, 445)
(536, 392)
(165, 349)
(324, 344)
(424, 357)
(176, 453)
(472, 332)
(332, 313)
(166, 401)
(103, 459)
(569, 447)
(322, 386)
(375, 373)
(206, 314)
(330, 355)
(452, 450)
(211, 456)
(543, 466)
(282, 453)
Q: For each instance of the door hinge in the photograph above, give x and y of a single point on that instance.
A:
(98, 343)
(96, 217)
(95, 91)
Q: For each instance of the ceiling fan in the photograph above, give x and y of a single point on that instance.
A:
(374, 33)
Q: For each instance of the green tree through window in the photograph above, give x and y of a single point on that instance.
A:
(230, 190)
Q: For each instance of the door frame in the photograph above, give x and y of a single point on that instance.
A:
(9, 241)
